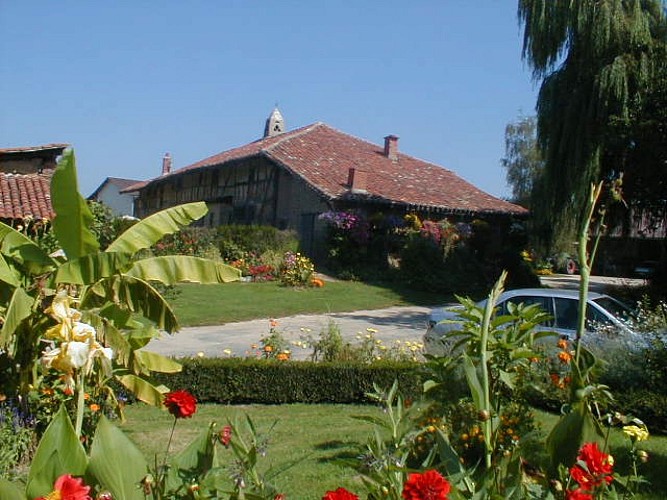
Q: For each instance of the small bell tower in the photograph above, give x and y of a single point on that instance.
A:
(274, 124)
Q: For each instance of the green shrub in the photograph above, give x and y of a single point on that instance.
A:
(17, 440)
(257, 381)
(195, 241)
(234, 241)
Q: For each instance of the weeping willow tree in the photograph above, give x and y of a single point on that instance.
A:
(595, 59)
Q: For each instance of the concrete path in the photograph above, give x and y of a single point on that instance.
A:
(394, 323)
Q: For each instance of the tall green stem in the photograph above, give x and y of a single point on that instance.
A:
(487, 422)
(585, 263)
(80, 403)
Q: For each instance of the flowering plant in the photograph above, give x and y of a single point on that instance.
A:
(296, 270)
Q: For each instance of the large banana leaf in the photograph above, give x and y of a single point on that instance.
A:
(172, 269)
(116, 462)
(91, 268)
(152, 229)
(142, 389)
(59, 452)
(9, 491)
(7, 274)
(148, 362)
(18, 247)
(73, 217)
(135, 295)
(20, 307)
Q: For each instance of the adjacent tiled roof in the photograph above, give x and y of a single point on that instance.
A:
(322, 157)
(121, 184)
(27, 193)
(31, 149)
(23, 195)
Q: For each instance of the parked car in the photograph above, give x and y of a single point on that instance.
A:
(602, 312)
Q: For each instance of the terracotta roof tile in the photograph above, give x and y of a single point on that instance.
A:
(322, 156)
(23, 195)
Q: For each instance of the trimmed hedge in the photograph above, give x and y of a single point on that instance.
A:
(260, 381)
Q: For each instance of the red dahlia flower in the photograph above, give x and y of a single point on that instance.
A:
(578, 494)
(593, 467)
(181, 404)
(68, 488)
(427, 486)
(340, 494)
(225, 435)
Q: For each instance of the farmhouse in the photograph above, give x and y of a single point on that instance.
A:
(25, 181)
(288, 178)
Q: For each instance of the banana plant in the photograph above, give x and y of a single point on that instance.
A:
(114, 288)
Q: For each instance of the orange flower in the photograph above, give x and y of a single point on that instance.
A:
(317, 283)
(94, 407)
(268, 348)
(562, 344)
(273, 323)
(282, 356)
(565, 357)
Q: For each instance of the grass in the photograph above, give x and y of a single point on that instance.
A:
(316, 436)
(197, 305)
(313, 436)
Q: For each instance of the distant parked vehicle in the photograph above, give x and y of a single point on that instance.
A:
(645, 270)
(602, 312)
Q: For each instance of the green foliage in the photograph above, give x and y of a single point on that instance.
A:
(244, 381)
(523, 159)
(194, 241)
(594, 60)
(111, 290)
(17, 440)
(235, 241)
(296, 270)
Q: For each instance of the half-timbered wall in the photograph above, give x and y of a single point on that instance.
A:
(252, 191)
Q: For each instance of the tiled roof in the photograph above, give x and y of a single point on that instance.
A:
(322, 156)
(32, 149)
(121, 184)
(23, 195)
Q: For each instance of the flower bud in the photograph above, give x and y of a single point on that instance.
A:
(643, 456)
(483, 415)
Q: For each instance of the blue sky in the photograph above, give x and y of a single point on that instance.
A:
(126, 81)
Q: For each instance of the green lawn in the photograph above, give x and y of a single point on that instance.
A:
(317, 435)
(196, 304)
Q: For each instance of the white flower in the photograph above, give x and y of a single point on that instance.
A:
(77, 352)
(83, 332)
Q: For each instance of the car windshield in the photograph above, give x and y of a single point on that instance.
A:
(613, 306)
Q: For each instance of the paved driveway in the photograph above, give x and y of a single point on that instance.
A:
(394, 323)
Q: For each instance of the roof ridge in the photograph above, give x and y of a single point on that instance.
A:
(291, 135)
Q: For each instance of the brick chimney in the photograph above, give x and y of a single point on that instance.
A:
(166, 164)
(357, 180)
(391, 147)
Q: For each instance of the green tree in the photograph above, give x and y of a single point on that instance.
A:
(594, 60)
(523, 159)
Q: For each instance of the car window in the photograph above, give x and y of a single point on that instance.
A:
(618, 309)
(596, 320)
(544, 303)
(566, 312)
